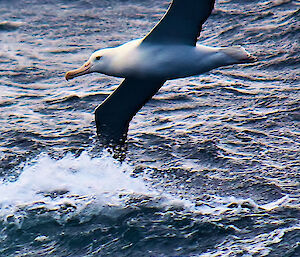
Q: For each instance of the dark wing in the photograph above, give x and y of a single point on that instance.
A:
(115, 113)
(182, 23)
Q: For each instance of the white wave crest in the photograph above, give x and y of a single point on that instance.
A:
(70, 181)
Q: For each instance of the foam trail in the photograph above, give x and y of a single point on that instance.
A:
(85, 186)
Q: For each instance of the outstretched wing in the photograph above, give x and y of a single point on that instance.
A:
(115, 113)
(182, 23)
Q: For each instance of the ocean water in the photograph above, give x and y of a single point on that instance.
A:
(212, 161)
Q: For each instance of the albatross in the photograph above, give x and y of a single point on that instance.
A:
(168, 51)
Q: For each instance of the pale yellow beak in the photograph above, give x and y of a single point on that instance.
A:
(84, 69)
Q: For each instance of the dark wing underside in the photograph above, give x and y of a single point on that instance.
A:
(182, 23)
(115, 113)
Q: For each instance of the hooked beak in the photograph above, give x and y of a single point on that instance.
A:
(84, 69)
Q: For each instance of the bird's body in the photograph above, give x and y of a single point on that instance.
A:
(136, 59)
(169, 51)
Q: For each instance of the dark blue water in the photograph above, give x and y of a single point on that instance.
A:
(212, 165)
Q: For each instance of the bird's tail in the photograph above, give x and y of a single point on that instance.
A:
(239, 54)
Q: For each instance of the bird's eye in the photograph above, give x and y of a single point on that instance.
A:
(98, 57)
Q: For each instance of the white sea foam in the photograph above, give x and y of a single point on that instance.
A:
(70, 181)
(84, 186)
(259, 245)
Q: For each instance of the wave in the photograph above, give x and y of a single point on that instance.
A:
(48, 183)
(105, 200)
(99, 182)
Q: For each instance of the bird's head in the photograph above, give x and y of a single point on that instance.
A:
(96, 63)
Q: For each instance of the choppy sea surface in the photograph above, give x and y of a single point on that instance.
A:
(212, 165)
